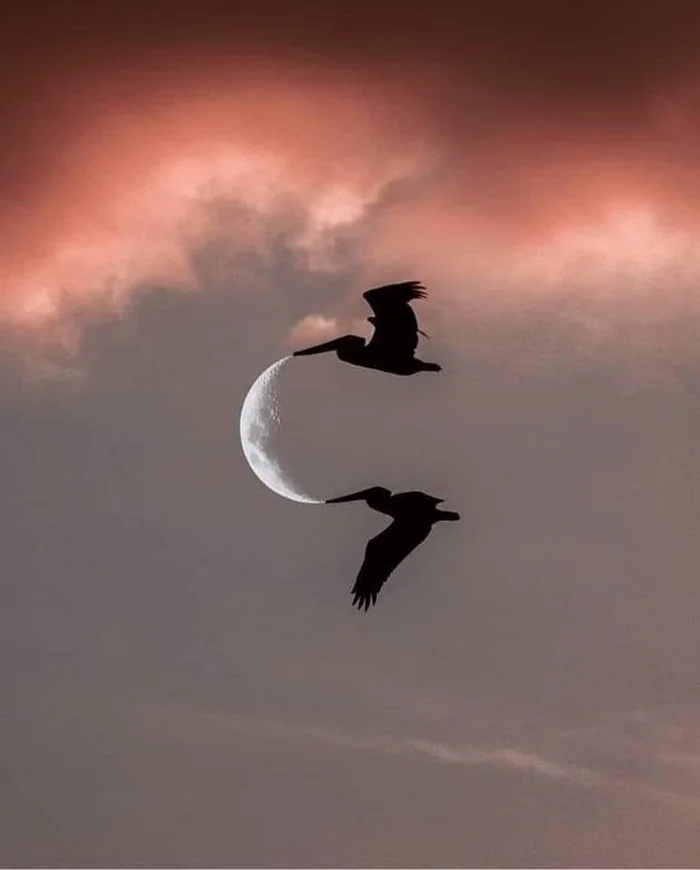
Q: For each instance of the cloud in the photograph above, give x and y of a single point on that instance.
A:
(499, 176)
(136, 175)
(314, 327)
(505, 758)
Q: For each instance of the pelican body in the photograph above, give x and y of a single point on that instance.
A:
(413, 514)
(393, 344)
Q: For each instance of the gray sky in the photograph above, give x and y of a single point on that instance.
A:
(186, 681)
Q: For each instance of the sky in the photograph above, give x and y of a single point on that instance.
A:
(189, 192)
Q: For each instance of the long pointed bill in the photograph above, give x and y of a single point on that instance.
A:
(355, 496)
(318, 348)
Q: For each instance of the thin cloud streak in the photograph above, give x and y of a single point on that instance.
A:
(504, 758)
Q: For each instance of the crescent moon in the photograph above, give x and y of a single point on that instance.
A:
(259, 418)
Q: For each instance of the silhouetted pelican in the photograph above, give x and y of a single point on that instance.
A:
(414, 515)
(393, 345)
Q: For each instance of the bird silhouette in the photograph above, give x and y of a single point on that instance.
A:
(393, 344)
(414, 514)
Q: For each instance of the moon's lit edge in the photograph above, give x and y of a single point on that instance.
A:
(265, 467)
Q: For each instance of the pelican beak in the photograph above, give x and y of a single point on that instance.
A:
(318, 348)
(355, 496)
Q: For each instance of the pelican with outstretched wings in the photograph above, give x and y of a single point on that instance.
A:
(393, 345)
(414, 514)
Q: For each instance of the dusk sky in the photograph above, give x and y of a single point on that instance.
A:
(190, 192)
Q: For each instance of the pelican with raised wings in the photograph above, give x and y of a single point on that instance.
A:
(393, 345)
(414, 514)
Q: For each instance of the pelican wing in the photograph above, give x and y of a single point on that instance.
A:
(384, 553)
(395, 324)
